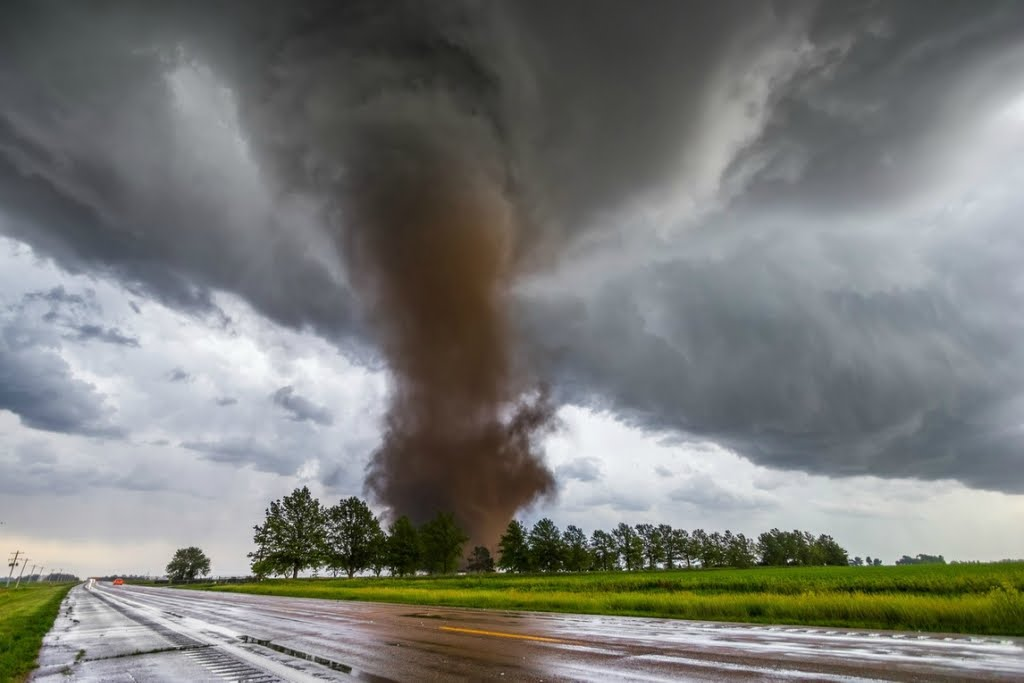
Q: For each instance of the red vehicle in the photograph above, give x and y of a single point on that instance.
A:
(118, 582)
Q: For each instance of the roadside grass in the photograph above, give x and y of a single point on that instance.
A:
(980, 599)
(26, 614)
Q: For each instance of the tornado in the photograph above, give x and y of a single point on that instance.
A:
(408, 129)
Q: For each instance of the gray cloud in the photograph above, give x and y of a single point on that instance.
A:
(224, 401)
(178, 375)
(845, 300)
(299, 408)
(39, 386)
(108, 335)
(580, 469)
(705, 492)
(242, 452)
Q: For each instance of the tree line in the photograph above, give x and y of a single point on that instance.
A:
(299, 533)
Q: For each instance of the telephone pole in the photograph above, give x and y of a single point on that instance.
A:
(24, 563)
(12, 563)
(39, 579)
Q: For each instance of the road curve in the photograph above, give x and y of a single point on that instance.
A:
(127, 633)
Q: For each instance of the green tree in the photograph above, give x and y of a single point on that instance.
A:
(654, 544)
(546, 548)
(442, 541)
(577, 550)
(403, 547)
(681, 546)
(291, 537)
(630, 546)
(515, 553)
(351, 532)
(187, 564)
(378, 550)
(604, 551)
(480, 560)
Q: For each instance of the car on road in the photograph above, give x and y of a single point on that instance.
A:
(118, 582)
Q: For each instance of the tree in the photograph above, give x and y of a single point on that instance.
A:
(441, 540)
(403, 547)
(480, 560)
(292, 536)
(378, 550)
(187, 564)
(604, 550)
(680, 546)
(351, 532)
(576, 550)
(629, 546)
(546, 548)
(515, 553)
(653, 542)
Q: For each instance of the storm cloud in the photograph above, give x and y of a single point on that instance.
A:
(789, 228)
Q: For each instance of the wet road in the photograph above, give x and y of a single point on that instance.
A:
(125, 633)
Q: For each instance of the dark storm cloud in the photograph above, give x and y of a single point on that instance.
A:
(38, 386)
(811, 319)
(299, 408)
(225, 401)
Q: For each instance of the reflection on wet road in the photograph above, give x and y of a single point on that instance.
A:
(159, 634)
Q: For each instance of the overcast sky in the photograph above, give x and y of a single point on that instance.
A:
(767, 257)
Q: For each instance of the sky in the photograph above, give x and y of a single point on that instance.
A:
(764, 260)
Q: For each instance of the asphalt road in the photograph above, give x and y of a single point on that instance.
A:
(123, 633)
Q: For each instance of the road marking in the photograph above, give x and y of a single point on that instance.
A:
(499, 634)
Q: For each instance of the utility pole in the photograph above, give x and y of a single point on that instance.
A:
(24, 563)
(39, 579)
(12, 563)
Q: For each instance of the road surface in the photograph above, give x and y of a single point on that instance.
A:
(127, 633)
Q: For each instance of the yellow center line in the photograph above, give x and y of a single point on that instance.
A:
(499, 634)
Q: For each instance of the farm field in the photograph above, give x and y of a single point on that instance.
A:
(26, 614)
(982, 599)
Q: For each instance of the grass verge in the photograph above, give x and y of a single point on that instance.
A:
(980, 599)
(26, 614)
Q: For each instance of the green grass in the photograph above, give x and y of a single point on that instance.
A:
(26, 614)
(982, 599)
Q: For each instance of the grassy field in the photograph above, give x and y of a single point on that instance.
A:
(983, 599)
(26, 614)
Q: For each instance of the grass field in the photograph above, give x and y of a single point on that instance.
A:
(26, 614)
(983, 599)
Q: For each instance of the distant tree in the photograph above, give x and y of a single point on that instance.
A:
(577, 550)
(291, 537)
(857, 562)
(739, 551)
(441, 540)
(187, 564)
(630, 547)
(829, 552)
(546, 550)
(653, 542)
(681, 546)
(922, 558)
(604, 550)
(403, 547)
(671, 554)
(351, 533)
(868, 561)
(877, 563)
(480, 560)
(378, 549)
(514, 550)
